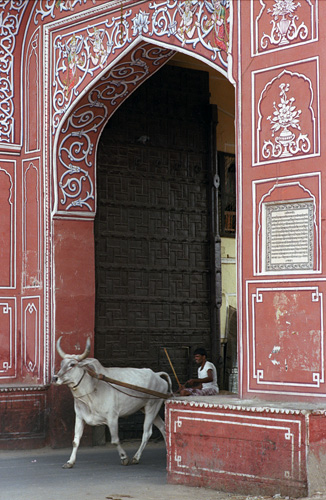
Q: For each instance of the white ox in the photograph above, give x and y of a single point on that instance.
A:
(97, 402)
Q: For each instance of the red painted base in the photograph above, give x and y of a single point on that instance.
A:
(237, 446)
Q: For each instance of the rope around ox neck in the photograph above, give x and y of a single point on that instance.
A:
(100, 376)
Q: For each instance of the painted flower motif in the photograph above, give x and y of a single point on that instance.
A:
(283, 8)
(140, 23)
(285, 114)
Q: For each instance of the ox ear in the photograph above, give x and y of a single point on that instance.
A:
(91, 363)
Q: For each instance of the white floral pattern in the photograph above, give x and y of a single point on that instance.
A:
(284, 24)
(285, 117)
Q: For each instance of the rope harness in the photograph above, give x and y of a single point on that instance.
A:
(111, 381)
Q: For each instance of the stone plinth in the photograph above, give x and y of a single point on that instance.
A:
(246, 446)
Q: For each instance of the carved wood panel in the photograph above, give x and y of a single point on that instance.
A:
(152, 225)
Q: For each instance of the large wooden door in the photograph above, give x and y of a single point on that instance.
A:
(152, 229)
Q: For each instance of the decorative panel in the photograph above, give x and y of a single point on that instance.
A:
(7, 224)
(202, 28)
(289, 235)
(282, 24)
(11, 13)
(152, 228)
(32, 94)
(31, 224)
(79, 134)
(285, 338)
(8, 339)
(22, 416)
(285, 112)
(31, 346)
(235, 444)
(292, 193)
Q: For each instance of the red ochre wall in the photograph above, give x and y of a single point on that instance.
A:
(282, 344)
(234, 445)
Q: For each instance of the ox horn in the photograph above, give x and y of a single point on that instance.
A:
(59, 349)
(79, 357)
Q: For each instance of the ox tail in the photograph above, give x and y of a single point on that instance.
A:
(166, 377)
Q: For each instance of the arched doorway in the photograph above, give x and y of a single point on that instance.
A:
(89, 103)
(157, 244)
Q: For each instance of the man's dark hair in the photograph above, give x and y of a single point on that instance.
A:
(201, 351)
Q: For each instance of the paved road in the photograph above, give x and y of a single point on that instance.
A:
(97, 475)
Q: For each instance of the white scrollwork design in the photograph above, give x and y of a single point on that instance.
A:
(284, 27)
(140, 23)
(285, 116)
(193, 22)
(11, 13)
(77, 147)
(84, 53)
(48, 7)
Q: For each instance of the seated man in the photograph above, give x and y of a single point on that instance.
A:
(206, 383)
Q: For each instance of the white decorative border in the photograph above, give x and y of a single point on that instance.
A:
(32, 48)
(270, 209)
(31, 165)
(256, 124)
(9, 29)
(9, 306)
(317, 378)
(13, 223)
(277, 424)
(280, 182)
(31, 305)
(254, 29)
(248, 405)
(239, 197)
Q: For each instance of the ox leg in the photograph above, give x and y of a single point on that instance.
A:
(147, 432)
(160, 425)
(113, 427)
(79, 429)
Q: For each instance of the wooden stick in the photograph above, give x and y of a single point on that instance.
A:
(100, 376)
(166, 352)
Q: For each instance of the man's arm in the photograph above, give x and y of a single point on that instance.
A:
(197, 381)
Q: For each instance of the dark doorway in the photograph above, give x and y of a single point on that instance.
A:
(153, 229)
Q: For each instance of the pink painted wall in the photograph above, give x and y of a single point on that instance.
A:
(48, 182)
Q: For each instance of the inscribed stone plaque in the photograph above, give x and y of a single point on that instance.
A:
(289, 236)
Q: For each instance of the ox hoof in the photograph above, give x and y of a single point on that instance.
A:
(134, 461)
(67, 465)
(125, 461)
